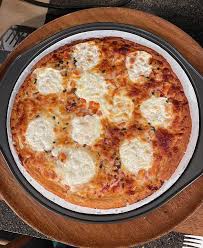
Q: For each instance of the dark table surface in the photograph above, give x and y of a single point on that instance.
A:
(186, 14)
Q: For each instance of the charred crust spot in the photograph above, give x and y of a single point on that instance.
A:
(64, 73)
(54, 56)
(164, 138)
(166, 71)
(152, 187)
(73, 90)
(124, 49)
(101, 164)
(20, 157)
(175, 149)
(104, 49)
(74, 61)
(131, 192)
(71, 105)
(114, 42)
(129, 181)
(135, 92)
(176, 104)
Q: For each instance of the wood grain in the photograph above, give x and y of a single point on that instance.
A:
(127, 233)
(193, 224)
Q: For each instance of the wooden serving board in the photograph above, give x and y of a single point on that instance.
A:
(128, 233)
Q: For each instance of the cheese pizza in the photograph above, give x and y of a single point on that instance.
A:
(101, 123)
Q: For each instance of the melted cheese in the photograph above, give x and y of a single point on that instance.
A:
(91, 87)
(136, 154)
(85, 130)
(78, 168)
(157, 111)
(86, 55)
(122, 108)
(40, 134)
(137, 64)
(48, 80)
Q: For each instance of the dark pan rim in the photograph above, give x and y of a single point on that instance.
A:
(187, 177)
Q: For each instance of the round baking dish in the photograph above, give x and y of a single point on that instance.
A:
(189, 167)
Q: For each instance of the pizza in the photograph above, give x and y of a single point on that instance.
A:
(101, 123)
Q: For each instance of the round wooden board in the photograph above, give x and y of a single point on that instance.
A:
(127, 233)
